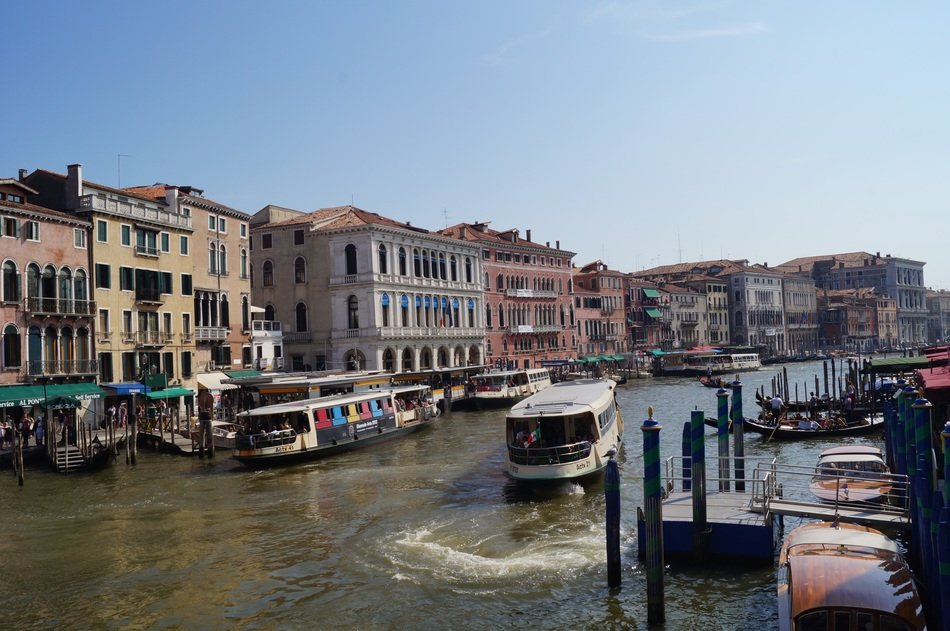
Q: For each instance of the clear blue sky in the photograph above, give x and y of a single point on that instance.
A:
(640, 133)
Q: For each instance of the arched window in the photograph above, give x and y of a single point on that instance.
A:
(225, 315)
(384, 303)
(65, 290)
(350, 252)
(500, 283)
(425, 264)
(402, 262)
(416, 263)
(469, 274)
(268, 274)
(32, 281)
(81, 285)
(11, 282)
(300, 270)
(300, 317)
(453, 268)
(223, 261)
(48, 282)
(12, 357)
(383, 260)
(243, 263)
(353, 313)
(406, 360)
(82, 350)
(501, 316)
(269, 313)
(442, 266)
(389, 362)
(212, 259)
(488, 311)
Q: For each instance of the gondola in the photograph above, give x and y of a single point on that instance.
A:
(792, 429)
(713, 382)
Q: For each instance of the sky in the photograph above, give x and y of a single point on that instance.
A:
(638, 133)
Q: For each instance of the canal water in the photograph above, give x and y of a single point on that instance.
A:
(424, 532)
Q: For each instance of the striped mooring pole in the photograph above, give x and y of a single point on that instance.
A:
(653, 519)
(722, 433)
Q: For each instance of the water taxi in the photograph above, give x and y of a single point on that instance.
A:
(851, 474)
(314, 428)
(505, 387)
(843, 576)
(224, 434)
(564, 432)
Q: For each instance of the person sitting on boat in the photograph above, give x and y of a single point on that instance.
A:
(520, 439)
(807, 424)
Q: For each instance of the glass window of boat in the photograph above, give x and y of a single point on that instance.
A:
(606, 417)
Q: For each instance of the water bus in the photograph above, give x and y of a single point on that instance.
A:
(505, 387)
(564, 432)
(843, 576)
(691, 363)
(314, 428)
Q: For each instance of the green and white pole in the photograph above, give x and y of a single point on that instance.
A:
(653, 519)
(722, 434)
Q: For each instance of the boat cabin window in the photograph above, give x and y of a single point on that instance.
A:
(840, 620)
(606, 417)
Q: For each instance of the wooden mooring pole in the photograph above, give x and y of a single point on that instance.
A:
(653, 519)
(738, 434)
(612, 497)
(722, 434)
(698, 475)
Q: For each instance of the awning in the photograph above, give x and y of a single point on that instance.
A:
(653, 312)
(170, 393)
(650, 293)
(212, 381)
(257, 309)
(237, 374)
(121, 389)
(20, 396)
(656, 352)
(84, 391)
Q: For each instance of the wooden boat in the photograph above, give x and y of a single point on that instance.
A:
(851, 474)
(796, 428)
(224, 434)
(505, 387)
(713, 382)
(844, 576)
(564, 432)
(314, 428)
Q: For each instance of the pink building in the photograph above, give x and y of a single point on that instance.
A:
(528, 314)
(599, 309)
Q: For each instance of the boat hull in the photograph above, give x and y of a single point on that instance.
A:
(293, 453)
(788, 432)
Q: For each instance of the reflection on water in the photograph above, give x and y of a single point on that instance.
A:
(413, 533)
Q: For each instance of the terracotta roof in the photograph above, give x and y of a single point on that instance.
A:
(33, 208)
(726, 267)
(117, 191)
(806, 263)
(343, 217)
(157, 192)
(483, 234)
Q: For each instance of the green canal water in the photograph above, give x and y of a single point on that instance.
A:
(423, 533)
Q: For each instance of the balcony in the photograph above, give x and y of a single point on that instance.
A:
(298, 337)
(150, 251)
(148, 338)
(149, 295)
(211, 333)
(135, 211)
(421, 332)
(530, 293)
(59, 306)
(38, 368)
(128, 336)
(266, 329)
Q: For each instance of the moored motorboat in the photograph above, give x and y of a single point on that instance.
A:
(224, 434)
(564, 432)
(314, 428)
(843, 576)
(506, 387)
(851, 474)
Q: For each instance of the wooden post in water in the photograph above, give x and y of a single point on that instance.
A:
(612, 497)
(738, 434)
(685, 452)
(943, 535)
(925, 487)
(700, 529)
(16, 455)
(722, 434)
(785, 384)
(824, 366)
(653, 519)
(132, 443)
(834, 380)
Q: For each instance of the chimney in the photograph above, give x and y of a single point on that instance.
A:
(547, 244)
(171, 197)
(73, 185)
(462, 232)
(527, 234)
(557, 244)
(22, 174)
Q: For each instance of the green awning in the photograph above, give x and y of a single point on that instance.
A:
(170, 393)
(653, 312)
(237, 374)
(650, 293)
(656, 352)
(20, 396)
(616, 358)
(898, 364)
(83, 391)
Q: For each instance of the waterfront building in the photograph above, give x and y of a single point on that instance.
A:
(688, 317)
(758, 309)
(46, 308)
(898, 278)
(529, 317)
(849, 319)
(141, 254)
(799, 297)
(938, 321)
(716, 291)
(887, 333)
(599, 310)
(220, 249)
(359, 291)
(642, 304)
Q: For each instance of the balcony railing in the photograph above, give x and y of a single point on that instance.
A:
(266, 328)
(59, 306)
(146, 250)
(211, 333)
(187, 336)
(530, 293)
(148, 338)
(40, 368)
(419, 332)
(148, 294)
(136, 211)
(298, 337)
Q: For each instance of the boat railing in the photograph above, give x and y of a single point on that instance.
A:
(261, 440)
(562, 454)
